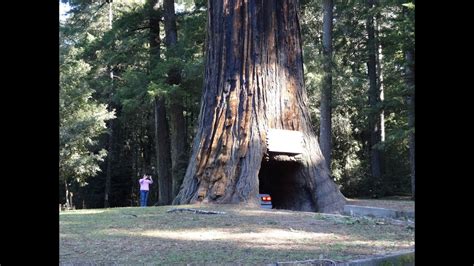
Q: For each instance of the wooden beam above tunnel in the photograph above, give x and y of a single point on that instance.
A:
(284, 141)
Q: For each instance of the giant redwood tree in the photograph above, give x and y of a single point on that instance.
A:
(254, 83)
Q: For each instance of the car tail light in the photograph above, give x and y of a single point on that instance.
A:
(266, 198)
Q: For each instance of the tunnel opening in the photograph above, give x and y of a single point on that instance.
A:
(278, 178)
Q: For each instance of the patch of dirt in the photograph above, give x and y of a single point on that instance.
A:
(242, 235)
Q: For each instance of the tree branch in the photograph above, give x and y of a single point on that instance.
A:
(194, 211)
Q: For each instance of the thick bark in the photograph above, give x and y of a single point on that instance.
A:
(325, 133)
(374, 100)
(254, 82)
(177, 121)
(163, 150)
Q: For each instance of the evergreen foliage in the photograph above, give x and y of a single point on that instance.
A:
(90, 99)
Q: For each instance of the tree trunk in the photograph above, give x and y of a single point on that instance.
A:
(374, 100)
(380, 81)
(162, 135)
(410, 82)
(325, 135)
(108, 175)
(410, 99)
(134, 171)
(147, 145)
(179, 157)
(177, 121)
(68, 203)
(154, 34)
(163, 153)
(254, 82)
(170, 23)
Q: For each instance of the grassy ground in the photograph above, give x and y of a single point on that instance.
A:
(242, 235)
(396, 204)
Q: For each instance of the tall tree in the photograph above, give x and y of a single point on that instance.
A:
(108, 176)
(163, 152)
(162, 135)
(408, 11)
(122, 50)
(325, 133)
(374, 98)
(253, 83)
(380, 81)
(82, 120)
(410, 77)
(177, 121)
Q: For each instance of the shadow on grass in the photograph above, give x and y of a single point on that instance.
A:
(150, 235)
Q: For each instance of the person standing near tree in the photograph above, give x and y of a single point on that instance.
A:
(145, 183)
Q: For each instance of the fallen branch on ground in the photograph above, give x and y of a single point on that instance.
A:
(129, 214)
(194, 211)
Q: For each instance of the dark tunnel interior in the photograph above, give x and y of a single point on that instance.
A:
(278, 178)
